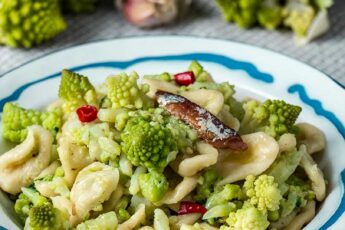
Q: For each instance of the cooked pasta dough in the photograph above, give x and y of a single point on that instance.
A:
(287, 142)
(99, 180)
(311, 137)
(156, 85)
(307, 213)
(177, 221)
(19, 166)
(135, 220)
(190, 166)
(261, 153)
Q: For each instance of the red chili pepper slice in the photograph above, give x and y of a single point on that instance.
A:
(187, 207)
(185, 78)
(87, 113)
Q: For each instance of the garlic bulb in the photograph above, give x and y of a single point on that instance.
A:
(150, 13)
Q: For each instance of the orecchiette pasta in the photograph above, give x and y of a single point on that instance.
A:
(211, 100)
(314, 173)
(181, 190)
(287, 142)
(136, 219)
(73, 158)
(228, 119)
(50, 170)
(20, 165)
(208, 156)
(114, 198)
(99, 180)
(261, 153)
(311, 137)
(177, 221)
(307, 213)
(161, 220)
(156, 85)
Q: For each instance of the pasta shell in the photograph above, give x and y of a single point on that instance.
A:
(261, 153)
(156, 85)
(312, 137)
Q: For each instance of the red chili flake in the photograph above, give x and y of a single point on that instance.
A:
(185, 78)
(187, 207)
(87, 113)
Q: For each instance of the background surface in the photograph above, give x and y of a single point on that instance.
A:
(327, 53)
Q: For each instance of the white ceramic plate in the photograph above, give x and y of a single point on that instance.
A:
(255, 72)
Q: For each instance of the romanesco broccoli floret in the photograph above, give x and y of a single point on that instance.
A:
(299, 15)
(148, 144)
(26, 200)
(269, 14)
(231, 104)
(45, 217)
(298, 194)
(275, 117)
(76, 90)
(228, 193)
(200, 74)
(79, 6)
(248, 217)
(27, 22)
(16, 120)
(124, 92)
(106, 221)
(153, 185)
(262, 192)
(206, 188)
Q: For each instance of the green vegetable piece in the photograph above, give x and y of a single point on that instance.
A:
(124, 92)
(16, 120)
(275, 117)
(76, 90)
(285, 165)
(26, 23)
(153, 185)
(247, 217)
(228, 193)
(45, 217)
(263, 192)
(270, 14)
(219, 211)
(148, 144)
(229, 9)
(204, 190)
(107, 221)
(200, 74)
(79, 6)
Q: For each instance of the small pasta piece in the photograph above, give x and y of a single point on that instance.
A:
(211, 100)
(66, 207)
(307, 214)
(156, 84)
(261, 153)
(314, 173)
(161, 220)
(208, 156)
(187, 185)
(176, 222)
(312, 137)
(135, 220)
(198, 226)
(73, 158)
(113, 200)
(283, 221)
(50, 170)
(228, 119)
(146, 228)
(22, 164)
(287, 142)
(134, 187)
(93, 185)
(56, 187)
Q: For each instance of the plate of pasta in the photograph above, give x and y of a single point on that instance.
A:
(192, 134)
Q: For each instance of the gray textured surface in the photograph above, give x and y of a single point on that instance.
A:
(326, 53)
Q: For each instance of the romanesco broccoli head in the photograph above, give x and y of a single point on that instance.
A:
(206, 188)
(263, 192)
(124, 92)
(228, 8)
(270, 14)
(153, 185)
(45, 217)
(79, 6)
(28, 23)
(148, 144)
(26, 200)
(248, 217)
(76, 90)
(275, 117)
(228, 193)
(299, 15)
(16, 120)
